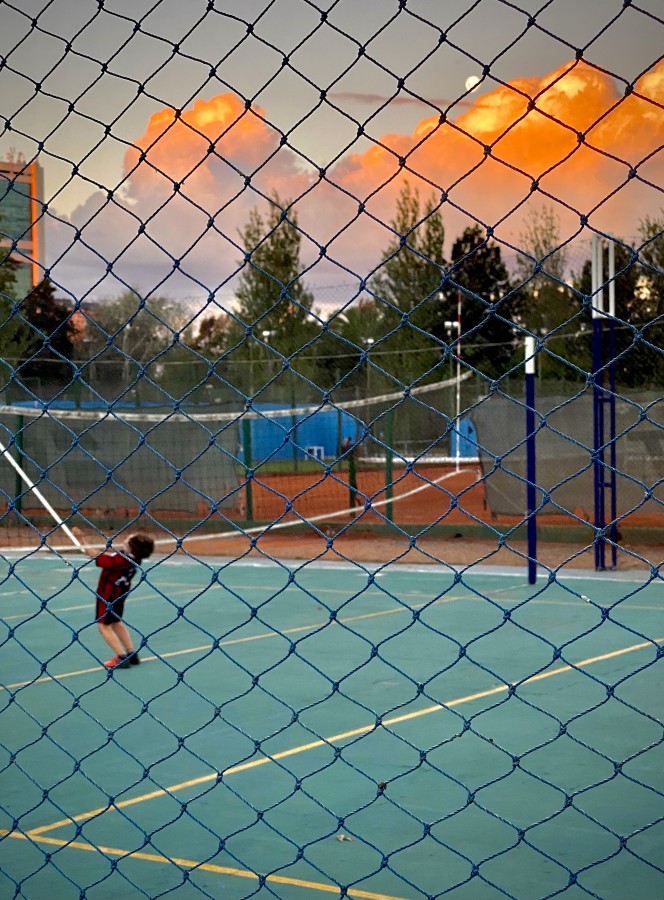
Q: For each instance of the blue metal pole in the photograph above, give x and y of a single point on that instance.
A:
(598, 443)
(531, 493)
(612, 404)
(598, 401)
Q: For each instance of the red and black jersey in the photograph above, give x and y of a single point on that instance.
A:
(114, 583)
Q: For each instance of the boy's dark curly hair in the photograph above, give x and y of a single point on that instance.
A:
(140, 546)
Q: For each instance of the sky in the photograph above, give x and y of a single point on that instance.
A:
(160, 125)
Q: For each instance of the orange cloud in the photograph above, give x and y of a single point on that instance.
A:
(176, 146)
(574, 138)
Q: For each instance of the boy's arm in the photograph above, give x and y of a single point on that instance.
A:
(89, 550)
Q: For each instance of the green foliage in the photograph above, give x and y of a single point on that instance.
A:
(544, 304)
(127, 333)
(340, 347)
(652, 256)
(628, 312)
(16, 338)
(480, 280)
(649, 310)
(638, 332)
(407, 290)
(273, 303)
(50, 319)
(212, 337)
(133, 326)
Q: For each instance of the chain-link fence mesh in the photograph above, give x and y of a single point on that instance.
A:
(266, 277)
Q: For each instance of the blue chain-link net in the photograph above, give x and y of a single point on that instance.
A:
(266, 280)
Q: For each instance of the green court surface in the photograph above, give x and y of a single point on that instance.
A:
(303, 730)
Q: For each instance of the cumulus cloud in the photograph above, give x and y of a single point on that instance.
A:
(190, 183)
(570, 139)
(574, 139)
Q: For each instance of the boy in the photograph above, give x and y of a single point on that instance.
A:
(117, 570)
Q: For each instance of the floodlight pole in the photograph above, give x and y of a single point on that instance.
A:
(531, 469)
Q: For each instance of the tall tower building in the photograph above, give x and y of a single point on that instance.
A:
(21, 219)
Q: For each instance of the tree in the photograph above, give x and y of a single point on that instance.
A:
(16, 338)
(339, 347)
(212, 337)
(649, 310)
(545, 305)
(273, 301)
(53, 334)
(127, 334)
(541, 268)
(651, 253)
(406, 289)
(479, 279)
(136, 326)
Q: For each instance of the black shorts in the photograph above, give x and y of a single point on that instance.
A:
(110, 612)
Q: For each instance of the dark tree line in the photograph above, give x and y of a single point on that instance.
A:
(402, 329)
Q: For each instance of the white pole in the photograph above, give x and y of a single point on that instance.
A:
(38, 494)
(530, 354)
(597, 277)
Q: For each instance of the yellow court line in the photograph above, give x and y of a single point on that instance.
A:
(200, 866)
(244, 640)
(157, 594)
(346, 735)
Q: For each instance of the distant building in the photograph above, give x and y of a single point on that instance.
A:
(21, 219)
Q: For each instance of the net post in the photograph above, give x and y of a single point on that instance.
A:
(389, 456)
(18, 450)
(531, 497)
(246, 444)
(294, 424)
(352, 480)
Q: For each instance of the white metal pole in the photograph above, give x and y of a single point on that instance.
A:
(38, 494)
(597, 276)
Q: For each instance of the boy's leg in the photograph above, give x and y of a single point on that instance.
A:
(123, 638)
(109, 635)
(122, 634)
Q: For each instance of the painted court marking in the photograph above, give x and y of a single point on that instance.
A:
(204, 648)
(37, 835)
(202, 866)
(346, 735)
(245, 640)
(41, 834)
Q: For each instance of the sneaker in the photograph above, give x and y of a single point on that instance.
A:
(133, 659)
(116, 662)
